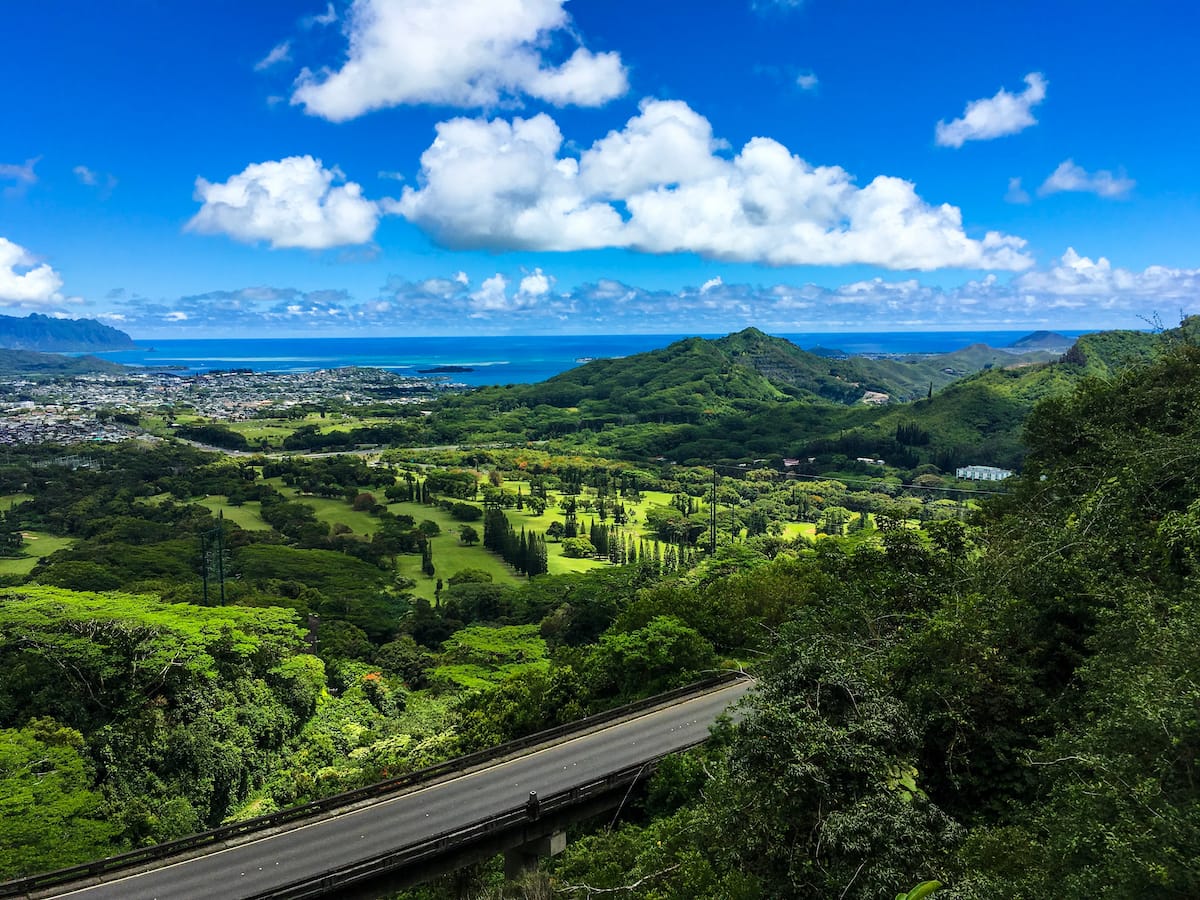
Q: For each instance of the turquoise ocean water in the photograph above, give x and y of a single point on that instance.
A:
(492, 360)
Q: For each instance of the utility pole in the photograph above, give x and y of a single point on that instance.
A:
(712, 516)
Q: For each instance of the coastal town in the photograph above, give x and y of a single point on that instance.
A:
(105, 406)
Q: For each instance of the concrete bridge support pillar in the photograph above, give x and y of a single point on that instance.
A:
(524, 858)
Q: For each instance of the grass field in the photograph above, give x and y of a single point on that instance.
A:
(8, 501)
(37, 545)
(247, 516)
(450, 555)
(797, 529)
(335, 511)
(274, 430)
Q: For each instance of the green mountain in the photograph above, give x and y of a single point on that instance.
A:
(43, 333)
(978, 419)
(850, 379)
(695, 377)
(747, 394)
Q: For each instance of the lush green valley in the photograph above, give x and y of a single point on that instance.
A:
(993, 687)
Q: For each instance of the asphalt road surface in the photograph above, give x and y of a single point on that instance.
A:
(314, 849)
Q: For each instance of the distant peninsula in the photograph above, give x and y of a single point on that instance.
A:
(46, 334)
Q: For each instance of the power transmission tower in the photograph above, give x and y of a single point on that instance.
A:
(212, 556)
(712, 516)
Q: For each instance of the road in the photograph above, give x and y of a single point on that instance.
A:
(314, 849)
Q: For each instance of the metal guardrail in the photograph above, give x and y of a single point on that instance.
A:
(158, 852)
(430, 848)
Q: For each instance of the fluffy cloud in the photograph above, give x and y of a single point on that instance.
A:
(807, 81)
(1072, 290)
(536, 284)
(24, 281)
(294, 202)
(492, 295)
(467, 53)
(1071, 177)
(995, 117)
(661, 185)
(1097, 283)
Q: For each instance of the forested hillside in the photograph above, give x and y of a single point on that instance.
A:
(1008, 708)
(749, 395)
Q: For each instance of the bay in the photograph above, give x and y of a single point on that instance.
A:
(493, 359)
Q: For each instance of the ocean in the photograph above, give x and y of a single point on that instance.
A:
(494, 360)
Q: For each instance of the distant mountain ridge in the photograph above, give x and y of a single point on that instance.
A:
(751, 395)
(1042, 340)
(47, 334)
(850, 379)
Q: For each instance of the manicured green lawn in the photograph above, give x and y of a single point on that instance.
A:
(450, 555)
(8, 501)
(248, 516)
(796, 529)
(274, 430)
(37, 545)
(330, 510)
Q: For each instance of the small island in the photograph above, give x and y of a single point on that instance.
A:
(444, 370)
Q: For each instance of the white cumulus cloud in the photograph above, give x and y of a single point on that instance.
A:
(1070, 176)
(1099, 282)
(995, 117)
(23, 280)
(536, 284)
(1071, 291)
(492, 295)
(662, 185)
(467, 53)
(292, 202)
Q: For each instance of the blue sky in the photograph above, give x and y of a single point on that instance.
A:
(398, 167)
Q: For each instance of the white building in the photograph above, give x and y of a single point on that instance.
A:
(982, 473)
